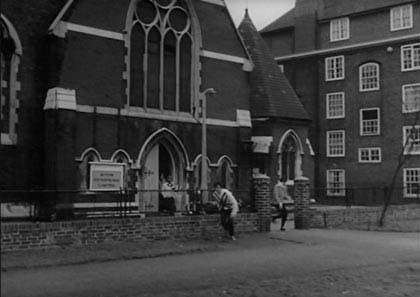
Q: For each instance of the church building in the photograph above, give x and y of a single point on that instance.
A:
(103, 101)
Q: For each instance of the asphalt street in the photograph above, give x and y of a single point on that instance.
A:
(248, 263)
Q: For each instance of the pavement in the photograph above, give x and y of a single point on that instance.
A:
(291, 263)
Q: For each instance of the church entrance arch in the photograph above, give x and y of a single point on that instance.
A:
(162, 156)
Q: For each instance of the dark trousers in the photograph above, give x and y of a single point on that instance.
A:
(167, 205)
(226, 221)
(282, 213)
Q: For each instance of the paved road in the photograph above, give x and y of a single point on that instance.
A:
(251, 261)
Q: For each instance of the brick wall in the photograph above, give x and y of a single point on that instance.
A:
(22, 163)
(359, 217)
(379, 28)
(388, 99)
(22, 236)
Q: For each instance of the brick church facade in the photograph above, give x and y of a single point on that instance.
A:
(105, 97)
(117, 87)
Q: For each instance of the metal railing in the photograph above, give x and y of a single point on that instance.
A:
(47, 205)
(365, 196)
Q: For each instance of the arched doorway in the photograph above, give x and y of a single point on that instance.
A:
(290, 157)
(161, 156)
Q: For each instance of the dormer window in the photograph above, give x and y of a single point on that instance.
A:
(339, 29)
(401, 17)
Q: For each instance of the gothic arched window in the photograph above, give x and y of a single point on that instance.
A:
(226, 174)
(84, 168)
(160, 55)
(10, 53)
(288, 159)
(122, 157)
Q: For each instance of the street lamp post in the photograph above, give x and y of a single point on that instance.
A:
(204, 186)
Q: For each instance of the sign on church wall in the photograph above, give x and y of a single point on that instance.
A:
(106, 176)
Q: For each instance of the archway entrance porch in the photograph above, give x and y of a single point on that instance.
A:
(162, 157)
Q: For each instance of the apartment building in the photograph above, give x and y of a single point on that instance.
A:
(355, 65)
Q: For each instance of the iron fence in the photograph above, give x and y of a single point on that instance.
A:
(47, 205)
(365, 196)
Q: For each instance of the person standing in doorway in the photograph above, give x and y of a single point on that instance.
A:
(280, 195)
(228, 207)
(168, 194)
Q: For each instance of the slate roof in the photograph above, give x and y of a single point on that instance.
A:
(328, 9)
(286, 20)
(271, 92)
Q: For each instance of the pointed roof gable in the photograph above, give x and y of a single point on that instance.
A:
(271, 93)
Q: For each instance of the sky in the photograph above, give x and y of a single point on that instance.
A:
(262, 12)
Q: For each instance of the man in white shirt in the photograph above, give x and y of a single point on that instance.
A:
(280, 195)
(228, 207)
(168, 194)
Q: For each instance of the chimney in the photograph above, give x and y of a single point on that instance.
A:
(306, 25)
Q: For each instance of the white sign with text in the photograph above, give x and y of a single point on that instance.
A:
(106, 176)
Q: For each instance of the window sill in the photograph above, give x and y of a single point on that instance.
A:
(334, 79)
(410, 69)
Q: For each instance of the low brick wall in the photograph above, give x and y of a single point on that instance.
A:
(28, 235)
(356, 217)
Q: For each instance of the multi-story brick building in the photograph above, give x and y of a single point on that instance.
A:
(356, 67)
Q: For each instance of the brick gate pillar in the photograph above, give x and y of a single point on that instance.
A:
(302, 199)
(262, 198)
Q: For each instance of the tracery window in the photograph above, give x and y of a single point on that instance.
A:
(288, 159)
(10, 56)
(161, 55)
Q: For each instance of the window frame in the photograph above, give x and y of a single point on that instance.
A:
(335, 58)
(341, 190)
(345, 26)
(327, 104)
(361, 121)
(409, 47)
(329, 154)
(405, 184)
(404, 105)
(190, 32)
(10, 136)
(406, 151)
(370, 149)
(392, 21)
(361, 78)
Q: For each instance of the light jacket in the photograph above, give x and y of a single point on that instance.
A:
(225, 200)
